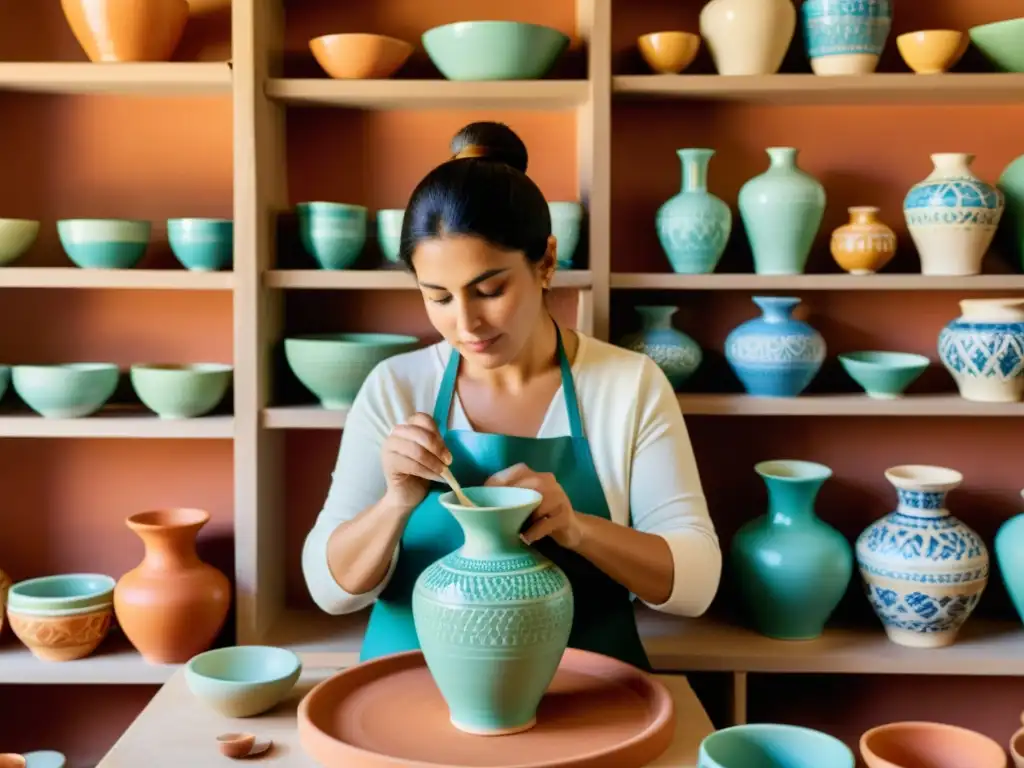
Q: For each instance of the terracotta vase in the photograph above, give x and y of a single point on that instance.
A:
(864, 245)
(127, 30)
(173, 605)
(748, 37)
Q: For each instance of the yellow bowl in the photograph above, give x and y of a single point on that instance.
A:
(931, 51)
(669, 53)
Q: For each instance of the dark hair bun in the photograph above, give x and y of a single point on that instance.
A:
(491, 141)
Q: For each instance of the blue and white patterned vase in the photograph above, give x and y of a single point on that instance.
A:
(775, 355)
(678, 355)
(694, 226)
(953, 216)
(983, 350)
(845, 37)
(924, 570)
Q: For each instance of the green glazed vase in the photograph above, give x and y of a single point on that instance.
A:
(493, 617)
(1011, 183)
(792, 568)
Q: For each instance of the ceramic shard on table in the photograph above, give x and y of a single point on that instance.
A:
(674, 352)
(864, 245)
(983, 350)
(845, 37)
(694, 225)
(924, 570)
(748, 37)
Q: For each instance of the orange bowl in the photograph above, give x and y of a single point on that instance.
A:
(127, 30)
(359, 56)
(669, 53)
(936, 745)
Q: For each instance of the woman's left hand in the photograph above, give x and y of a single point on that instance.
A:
(554, 517)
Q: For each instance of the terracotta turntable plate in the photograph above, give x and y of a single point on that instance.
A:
(597, 713)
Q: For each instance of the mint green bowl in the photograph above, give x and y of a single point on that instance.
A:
(771, 745)
(494, 50)
(884, 375)
(65, 594)
(180, 391)
(1002, 43)
(333, 366)
(65, 390)
(332, 233)
(104, 243)
(389, 233)
(202, 245)
(566, 219)
(243, 680)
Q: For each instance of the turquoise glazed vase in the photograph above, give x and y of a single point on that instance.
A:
(493, 617)
(694, 226)
(1011, 184)
(845, 37)
(332, 233)
(782, 211)
(675, 353)
(792, 567)
(1009, 547)
(771, 745)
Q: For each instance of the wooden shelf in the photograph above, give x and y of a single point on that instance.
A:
(430, 94)
(115, 662)
(380, 279)
(842, 405)
(302, 417)
(115, 424)
(143, 79)
(879, 88)
(843, 282)
(138, 279)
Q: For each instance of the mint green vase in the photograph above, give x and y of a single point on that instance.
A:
(1011, 184)
(792, 568)
(493, 617)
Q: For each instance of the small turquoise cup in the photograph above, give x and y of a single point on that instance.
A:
(332, 233)
(389, 233)
(768, 745)
(202, 245)
(104, 243)
(884, 375)
(243, 680)
(66, 390)
(566, 219)
(494, 50)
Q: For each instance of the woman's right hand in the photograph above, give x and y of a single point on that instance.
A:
(412, 456)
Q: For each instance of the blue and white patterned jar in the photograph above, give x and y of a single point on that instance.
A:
(845, 37)
(952, 216)
(694, 225)
(983, 350)
(678, 355)
(924, 570)
(775, 355)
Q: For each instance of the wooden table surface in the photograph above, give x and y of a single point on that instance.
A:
(176, 730)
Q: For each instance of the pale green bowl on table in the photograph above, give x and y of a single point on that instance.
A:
(65, 390)
(389, 233)
(243, 680)
(61, 595)
(884, 375)
(332, 233)
(494, 50)
(181, 391)
(333, 366)
(767, 745)
(1002, 43)
(16, 237)
(566, 219)
(104, 243)
(202, 245)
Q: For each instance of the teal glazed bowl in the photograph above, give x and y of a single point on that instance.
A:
(389, 233)
(5, 379)
(332, 233)
(566, 219)
(104, 243)
(16, 237)
(333, 366)
(494, 50)
(243, 680)
(184, 391)
(65, 390)
(767, 745)
(884, 375)
(1002, 43)
(202, 245)
(62, 595)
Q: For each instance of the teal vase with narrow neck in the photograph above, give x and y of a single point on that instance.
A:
(792, 568)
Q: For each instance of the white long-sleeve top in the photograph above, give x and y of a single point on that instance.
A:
(638, 439)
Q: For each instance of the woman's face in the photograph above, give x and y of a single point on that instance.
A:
(485, 301)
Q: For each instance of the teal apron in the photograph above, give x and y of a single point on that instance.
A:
(603, 619)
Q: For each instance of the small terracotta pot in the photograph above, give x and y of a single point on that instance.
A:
(127, 30)
(669, 53)
(62, 638)
(359, 56)
(1017, 743)
(935, 745)
(864, 245)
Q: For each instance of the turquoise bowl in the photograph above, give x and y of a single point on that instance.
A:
(1002, 43)
(202, 245)
(332, 233)
(65, 390)
(333, 366)
(884, 375)
(243, 680)
(5, 379)
(389, 233)
(767, 745)
(566, 218)
(65, 594)
(16, 237)
(104, 243)
(183, 391)
(494, 50)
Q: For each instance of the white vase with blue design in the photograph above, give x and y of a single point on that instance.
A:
(678, 355)
(952, 216)
(924, 570)
(775, 355)
(845, 37)
(983, 350)
(694, 226)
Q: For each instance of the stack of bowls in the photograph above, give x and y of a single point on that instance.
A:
(104, 243)
(65, 390)
(244, 680)
(332, 233)
(494, 50)
(64, 617)
(181, 390)
(202, 245)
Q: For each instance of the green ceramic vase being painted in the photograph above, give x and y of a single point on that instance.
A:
(493, 617)
(792, 568)
(782, 211)
(1011, 182)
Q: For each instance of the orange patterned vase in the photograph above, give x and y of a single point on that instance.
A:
(864, 245)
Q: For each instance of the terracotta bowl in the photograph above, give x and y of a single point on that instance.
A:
(127, 30)
(932, 51)
(1017, 744)
(669, 53)
(360, 56)
(62, 637)
(929, 745)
